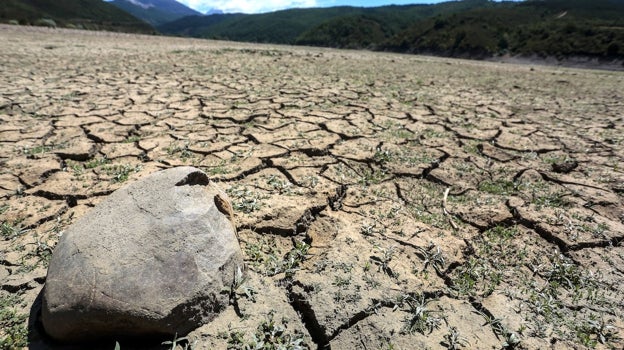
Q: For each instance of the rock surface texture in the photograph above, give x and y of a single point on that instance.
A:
(153, 258)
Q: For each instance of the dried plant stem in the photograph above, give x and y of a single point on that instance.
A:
(446, 212)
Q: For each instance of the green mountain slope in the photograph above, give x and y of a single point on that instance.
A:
(281, 27)
(381, 22)
(291, 26)
(155, 12)
(546, 28)
(469, 28)
(352, 32)
(88, 14)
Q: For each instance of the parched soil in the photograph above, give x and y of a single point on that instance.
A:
(382, 201)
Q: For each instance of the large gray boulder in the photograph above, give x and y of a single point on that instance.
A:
(151, 259)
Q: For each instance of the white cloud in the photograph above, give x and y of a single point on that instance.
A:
(138, 3)
(247, 6)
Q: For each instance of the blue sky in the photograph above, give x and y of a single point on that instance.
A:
(255, 6)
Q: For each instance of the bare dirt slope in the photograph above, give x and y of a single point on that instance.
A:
(383, 201)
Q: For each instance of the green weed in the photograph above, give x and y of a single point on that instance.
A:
(511, 338)
(498, 186)
(276, 184)
(219, 169)
(430, 133)
(76, 168)
(33, 152)
(562, 272)
(42, 251)
(420, 318)
(382, 156)
(594, 331)
(292, 261)
(182, 151)
(132, 139)
(367, 229)
(13, 330)
(8, 230)
(263, 255)
(545, 304)
(551, 200)
(466, 277)
(405, 156)
(240, 288)
(121, 172)
(371, 176)
(243, 199)
(433, 257)
(269, 335)
(96, 162)
(183, 342)
(383, 261)
(310, 181)
(340, 281)
(501, 233)
(453, 340)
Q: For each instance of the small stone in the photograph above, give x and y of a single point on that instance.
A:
(565, 167)
(151, 259)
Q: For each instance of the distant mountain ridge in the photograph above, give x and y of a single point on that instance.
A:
(86, 14)
(469, 28)
(286, 26)
(155, 12)
(555, 28)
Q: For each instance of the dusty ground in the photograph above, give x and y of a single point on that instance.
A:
(338, 164)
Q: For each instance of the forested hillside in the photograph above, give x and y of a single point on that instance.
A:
(545, 28)
(85, 14)
(295, 26)
(155, 12)
(470, 28)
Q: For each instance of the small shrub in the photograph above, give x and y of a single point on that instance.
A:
(45, 22)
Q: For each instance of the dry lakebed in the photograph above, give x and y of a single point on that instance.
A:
(382, 201)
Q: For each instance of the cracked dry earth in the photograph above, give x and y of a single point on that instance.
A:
(382, 201)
